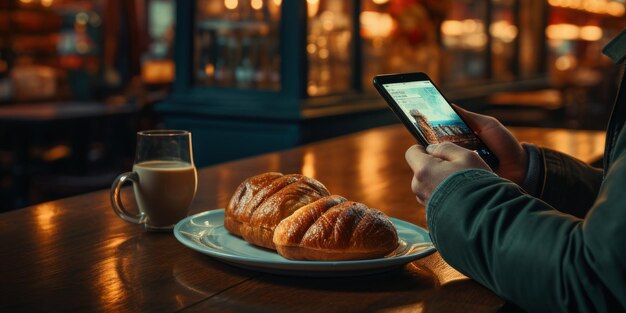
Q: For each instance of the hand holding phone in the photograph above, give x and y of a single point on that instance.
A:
(427, 114)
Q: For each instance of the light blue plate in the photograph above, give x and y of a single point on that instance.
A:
(205, 233)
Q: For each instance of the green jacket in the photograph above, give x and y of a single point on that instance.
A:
(562, 251)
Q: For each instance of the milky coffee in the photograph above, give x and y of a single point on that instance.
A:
(165, 190)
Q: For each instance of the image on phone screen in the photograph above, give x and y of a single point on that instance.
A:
(430, 114)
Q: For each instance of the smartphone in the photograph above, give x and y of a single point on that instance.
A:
(426, 113)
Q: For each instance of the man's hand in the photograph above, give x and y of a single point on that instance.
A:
(432, 165)
(512, 156)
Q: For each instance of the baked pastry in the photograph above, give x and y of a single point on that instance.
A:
(334, 229)
(262, 201)
(233, 214)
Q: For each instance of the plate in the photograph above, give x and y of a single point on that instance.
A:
(205, 233)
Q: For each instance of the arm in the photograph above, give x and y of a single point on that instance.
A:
(564, 182)
(520, 246)
(528, 252)
(569, 185)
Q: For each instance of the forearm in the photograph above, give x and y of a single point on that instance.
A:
(517, 245)
(564, 182)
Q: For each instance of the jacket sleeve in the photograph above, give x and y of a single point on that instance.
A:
(569, 185)
(528, 252)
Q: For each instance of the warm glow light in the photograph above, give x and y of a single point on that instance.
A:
(595, 6)
(562, 32)
(471, 26)
(213, 7)
(452, 28)
(46, 3)
(324, 53)
(108, 276)
(231, 4)
(468, 33)
(278, 2)
(375, 24)
(371, 165)
(590, 145)
(311, 48)
(209, 70)
(26, 1)
(312, 7)
(590, 33)
(324, 74)
(380, 1)
(158, 71)
(503, 31)
(308, 164)
(615, 9)
(321, 41)
(45, 214)
(588, 6)
(477, 40)
(328, 20)
(565, 62)
(256, 4)
(56, 153)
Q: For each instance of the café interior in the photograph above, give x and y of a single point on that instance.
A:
(79, 78)
(268, 87)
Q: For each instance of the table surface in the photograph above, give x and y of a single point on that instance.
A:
(75, 254)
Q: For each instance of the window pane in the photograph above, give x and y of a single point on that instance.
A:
(503, 32)
(237, 44)
(329, 42)
(576, 35)
(464, 39)
(157, 64)
(51, 50)
(400, 36)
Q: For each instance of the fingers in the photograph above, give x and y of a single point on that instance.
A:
(432, 165)
(416, 157)
(415, 188)
(419, 158)
(447, 151)
(456, 155)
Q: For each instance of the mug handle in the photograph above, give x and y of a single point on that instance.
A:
(116, 200)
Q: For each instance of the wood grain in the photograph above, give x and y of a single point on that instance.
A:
(75, 254)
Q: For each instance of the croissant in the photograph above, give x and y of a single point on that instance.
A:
(262, 201)
(334, 229)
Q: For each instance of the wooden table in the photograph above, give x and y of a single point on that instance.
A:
(75, 254)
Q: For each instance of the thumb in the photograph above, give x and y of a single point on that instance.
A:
(447, 151)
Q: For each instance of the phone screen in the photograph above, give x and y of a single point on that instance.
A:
(432, 116)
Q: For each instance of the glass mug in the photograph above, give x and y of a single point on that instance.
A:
(164, 180)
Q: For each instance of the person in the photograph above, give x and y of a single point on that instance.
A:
(544, 231)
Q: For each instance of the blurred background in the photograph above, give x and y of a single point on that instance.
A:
(78, 78)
